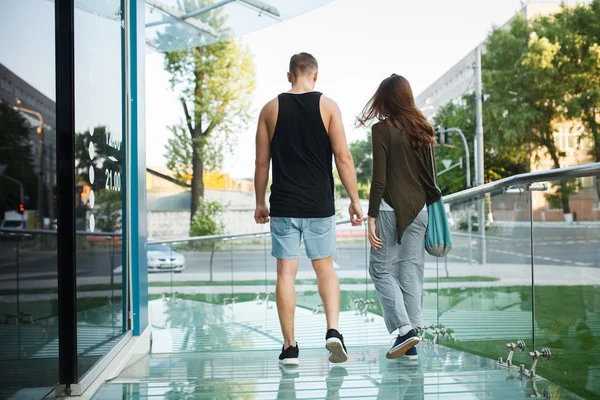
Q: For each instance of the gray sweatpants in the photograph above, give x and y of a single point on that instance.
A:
(398, 270)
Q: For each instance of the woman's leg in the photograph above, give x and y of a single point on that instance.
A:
(381, 268)
(409, 268)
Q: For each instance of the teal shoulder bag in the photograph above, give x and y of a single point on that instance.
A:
(438, 241)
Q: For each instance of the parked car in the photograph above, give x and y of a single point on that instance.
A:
(164, 258)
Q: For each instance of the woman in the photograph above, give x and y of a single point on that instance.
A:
(402, 186)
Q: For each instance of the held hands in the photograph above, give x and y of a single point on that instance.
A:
(356, 214)
(376, 243)
(261, 214)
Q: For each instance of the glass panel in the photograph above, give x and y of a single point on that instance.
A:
(189, 284)
(98, 153)
(167, 30)
(484, 295)
(28, 312)
(28, 279)
(567, 277)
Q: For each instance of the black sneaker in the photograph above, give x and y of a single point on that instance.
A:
(334, 342)
(289, 356)
(411, 353)
(402, 344)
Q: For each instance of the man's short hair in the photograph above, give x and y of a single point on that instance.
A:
(302, 64)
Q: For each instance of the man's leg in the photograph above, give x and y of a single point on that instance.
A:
(329, 290)
(285, 294)
(319, 238)
(285, 236)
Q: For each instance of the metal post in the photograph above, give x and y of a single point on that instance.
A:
(479, 151)
(65, 161)
(41, 183)
(479, 165)
(467, 153)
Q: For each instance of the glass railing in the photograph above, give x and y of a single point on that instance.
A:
(519, 270)
(29, 305)
(531, 274)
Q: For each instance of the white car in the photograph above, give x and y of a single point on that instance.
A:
(164, 258)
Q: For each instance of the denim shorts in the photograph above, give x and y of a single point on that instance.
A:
(318, 233)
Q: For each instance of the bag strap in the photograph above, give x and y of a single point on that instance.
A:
(433, 165)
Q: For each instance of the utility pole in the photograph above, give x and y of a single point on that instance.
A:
(479, 180)
(479, 152)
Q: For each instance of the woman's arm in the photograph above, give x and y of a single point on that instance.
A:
(378, 180)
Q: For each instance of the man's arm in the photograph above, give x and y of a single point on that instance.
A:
(343, 158)
(261, 172)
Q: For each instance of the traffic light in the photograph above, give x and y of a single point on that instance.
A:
(21, 208)
(440, 134)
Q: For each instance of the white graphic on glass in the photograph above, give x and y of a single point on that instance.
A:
(92, 175)
(92, 199)
(92, 223)
(92, 150)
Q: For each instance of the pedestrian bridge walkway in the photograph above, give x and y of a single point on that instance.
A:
(206, 351)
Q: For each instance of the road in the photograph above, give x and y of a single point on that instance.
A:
(564, 247)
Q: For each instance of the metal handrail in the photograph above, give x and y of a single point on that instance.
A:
(221, 237)
(54, 232)
(559, 174)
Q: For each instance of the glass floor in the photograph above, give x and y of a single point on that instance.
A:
(208, 351)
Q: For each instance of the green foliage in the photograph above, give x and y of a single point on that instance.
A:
(362, 153)
(15, 152)
(525, 96)
(109, 208)
(207, 220)
(501, 159)
(576, 30)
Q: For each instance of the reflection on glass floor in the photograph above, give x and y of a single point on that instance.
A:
(206, 351)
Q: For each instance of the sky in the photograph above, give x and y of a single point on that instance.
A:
(357, 44)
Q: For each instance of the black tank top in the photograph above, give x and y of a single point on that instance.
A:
(302, 159)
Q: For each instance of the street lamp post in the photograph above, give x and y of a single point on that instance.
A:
(467, 155)
(40, 131)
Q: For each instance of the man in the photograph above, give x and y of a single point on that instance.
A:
(300, 131)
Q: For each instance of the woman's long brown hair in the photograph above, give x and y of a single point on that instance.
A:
(394, 102)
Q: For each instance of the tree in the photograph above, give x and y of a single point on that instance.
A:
(525, 90)
(501, 159)
(15, 152)
(577, 30)
(110, 207)
(362, 154)
(216, 82)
